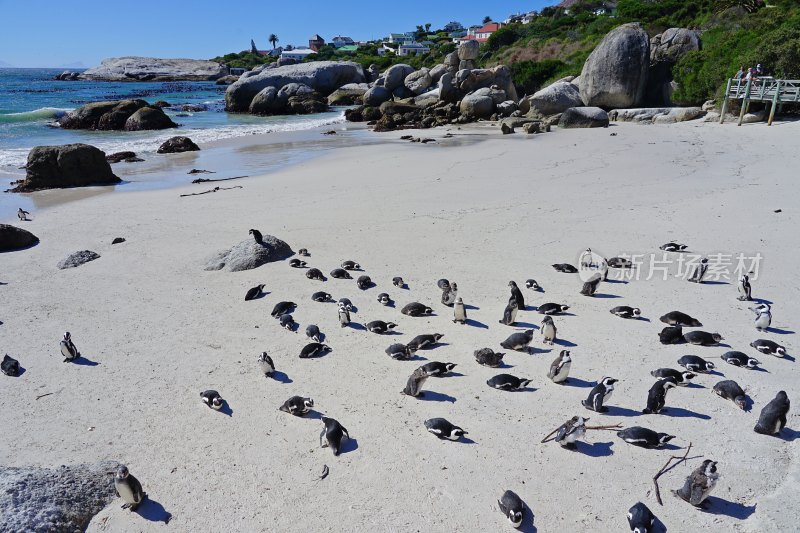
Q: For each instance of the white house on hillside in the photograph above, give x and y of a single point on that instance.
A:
(298, 54)
(401, 38)
(412, 49)
(341, 40)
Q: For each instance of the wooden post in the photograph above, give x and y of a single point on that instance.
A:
(774, 103)
(725, 101)
(745, 101)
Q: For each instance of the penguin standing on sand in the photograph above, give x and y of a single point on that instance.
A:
(255, 292)
(772, 419)
(518, 341)
(657, 397)
(128, 488)
(510, 313)
(548, 329)
(516, 294)
(559, 370)
(512, 507)
(449, 295)
(68, 349)
(415, 382)
(599, 395)
(459, 312)
(763, 316)
(744, 288)
(265, 364)
(699, 271)
(333, 435)
(640, 518)
(344, 315)
(699, 484)
(257, 236)
(571, 431)
(22, 215)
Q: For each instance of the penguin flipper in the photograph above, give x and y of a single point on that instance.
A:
(597, 402)
(323, 442)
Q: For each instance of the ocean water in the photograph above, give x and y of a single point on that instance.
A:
(30, 102)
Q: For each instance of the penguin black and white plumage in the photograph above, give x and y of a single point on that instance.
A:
(380, 327)
(303, 252)
(703, 338)
(347, 304)
(699, 271)
(682, 378)
(128, 488)
(507, 382)
(438, 369)
(340, 273)
(730, 390)
(364, 282)
(322, 297)
(314, 349)
(212, 399)
(333, 435)
(313, 333)
(297, 263)
(255, 292)
(699, 484)
(450, 294)
(640, 518)
(287, 322)
(344, 315)
(9, 366)
(694, 363)
(671, 335)
(548, 330)
(623, 311)
(644, 437)
(571, 431)
(745, 294)
(444, 429)
(620, 262)
(459, 312)
(416, 309)
(510, 313)
(512, 507)
(398, 282)
(424, 341)
(590, 287)
(676, 318)
(488, 357)
(315, 274)
(533, 285)
(281, 308)
(673, 247)
(769, 347)
(350, 265)
(414, 383)
(518, 341)
(297, 406)
(68, 349)
(657, 396)
(256, 236)
(443, 284)
(559, 369)
(599, 395)
(399, 352)
(772, 419)
(763, 316)
(22, 215)
(552, 308)
(384, 299)
(565, 268)
(740, 359)
(517, 295)
(265, 364)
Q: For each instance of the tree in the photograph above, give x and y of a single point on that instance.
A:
(253, 49)
(427, 27)
(487, 19)
(273, 39)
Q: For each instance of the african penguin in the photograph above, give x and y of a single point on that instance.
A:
(459, 312)
(673, 247)
(671, 335)
(676, 318)
(565, 268)
(488, 357)
(398, 351)
(423, 341)
(551, 309)
(384, 299)
(340, 273)
(548, 329)
(449, 295)
(350, 265)
(640, 518)
(415, 382)
(364, 282)
(518, 341)
(265, 364)
(559, 369)
(769, 347)
(297, 263)
(571, 431)
(314, 349)
(9, 366)
(22, 214)
(128, 488)
(533, 285)
(744, 288)
(590, 287)
(699, 271)
(682, 378)
(763, 316)
(644, 437)
(620, 262)
(256, 236)
(313, 333)
(512, 507)
(322, 297)
(438, 369)
(315, 274)
(303, 252)
(212, 399)
(68, 349)
(730, 390)
(255, 292)
(623, 311)
(599, 395)
(344, 315)
(702, 338)
(347, 304)
(517, 295)
(380, 327)
(699, 484)
(657, 396)
(416, 309)
(287, 321)
(507, 382)
(740, 359)
(772, 419)
(694, 363)
(443, 429)
(297, 406)
(333, 435)
(397, 281)
(510, 313)
(281, 308)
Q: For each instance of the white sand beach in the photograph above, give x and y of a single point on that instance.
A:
(159, 330)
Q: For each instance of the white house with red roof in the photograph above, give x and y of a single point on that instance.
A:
(480, 34)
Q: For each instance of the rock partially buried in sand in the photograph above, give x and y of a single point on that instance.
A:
(68, 165)
(583, 117)
(249, 254)
(175, 145)
(14, 238)
(118, 240)
(61, 499)
(77, 259)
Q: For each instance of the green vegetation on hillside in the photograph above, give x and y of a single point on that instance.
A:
(244, 59)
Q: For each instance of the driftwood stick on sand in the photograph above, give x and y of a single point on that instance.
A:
(206, 180)
(615, 426)
(43, 395)
(215, 189)
(666, 468)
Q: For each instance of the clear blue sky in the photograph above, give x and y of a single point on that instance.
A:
(45, 33)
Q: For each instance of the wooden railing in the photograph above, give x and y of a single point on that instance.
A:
(764, 89)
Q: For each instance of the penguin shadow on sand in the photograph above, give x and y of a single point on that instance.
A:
(523, 325)
(605, 295)
(595, 449)
(565, 343)
(718, 506)
(348, 445)
(153, 511)
(475, 324)
(433, 396)
(680, 412)
(470, 307)
(579, 383)
(615, 410)
(788, 434)
(780, 331)
(357, 326)
(714, 282)
(84, 361)
(226, 409)
(281, 377)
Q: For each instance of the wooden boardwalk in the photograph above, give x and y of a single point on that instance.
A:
(764, 89)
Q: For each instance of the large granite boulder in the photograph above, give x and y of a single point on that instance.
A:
(555, 98)
(376, 95)
(249, 254)
(656, 115)
(395, 76)
(114, 115)
(149, 118)
(39, 499)
(77, 259)
(266, 102)
(477, 105)
(14, 238)
(322, 76)
(428, 98)
(350, 94)
(469, 50)
(583, 117)
(666, 49)
(176, 145)
(418, 82)
(437, 72)
(69, 165)
(615, 74)
(135, 68)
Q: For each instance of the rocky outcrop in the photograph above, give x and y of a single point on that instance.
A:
(615, 74)
(67, 76)
(61, 499)
(376, 95)
(395, 76)
(583, 117)
(469, 50)
(128, 157)
(656, 115)
(175, 145)
(350, 94)
(419, 82)
(291, 99)
(323, 77)
(666, 49)
(555, 98)
(482, 103)
(115, 115)
(14, 238)
(77, 259)
(249, 254)
(133, 68)
(69, 165)
(227, 80)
